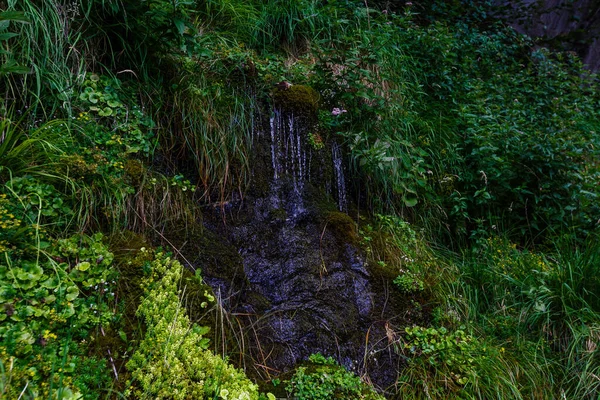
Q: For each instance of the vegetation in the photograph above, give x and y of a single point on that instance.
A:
(327, 380)
(472, 153)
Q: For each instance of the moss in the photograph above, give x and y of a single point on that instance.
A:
(131, 253)
(207, 251)
(134, 170)
(342, 226)
(299, 99)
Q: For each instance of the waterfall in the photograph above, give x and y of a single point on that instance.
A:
(338, 168)
(289, 158)
(275, 120)
(288, 154)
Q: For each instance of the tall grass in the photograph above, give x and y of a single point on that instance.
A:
(542, 305)
(50, 47)
(211, 126)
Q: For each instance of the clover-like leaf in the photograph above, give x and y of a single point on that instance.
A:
(72, 293)
(93, 98)
(83, 266)
(105, 112)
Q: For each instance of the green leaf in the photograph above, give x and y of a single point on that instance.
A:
(105, 112)
(50, 283)
(83, 266)
(72, 293)
(8, 35)
(201, 330)
(410, 201)
(93, 98)
(11, 67)
(180, 25)
(17, 16)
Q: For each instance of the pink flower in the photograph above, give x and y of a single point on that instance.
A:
(337, 111)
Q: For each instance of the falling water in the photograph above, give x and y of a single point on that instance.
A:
(289, 159)
(338, 168)
(288, 154)
(275, 119)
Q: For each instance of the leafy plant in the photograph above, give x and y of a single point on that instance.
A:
(52, 299)
(325, 380)
(454, 364)
(172, 361)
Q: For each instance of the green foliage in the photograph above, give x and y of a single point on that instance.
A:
(40, 202)
(542, 305)
(325, 380)
(447, 119)
(315, 141)
(454, 364)
(408, 282)
(172, 361)
(103, 101)
(456, 352)
(52, 299)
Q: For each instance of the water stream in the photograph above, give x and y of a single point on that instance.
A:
(338, 169)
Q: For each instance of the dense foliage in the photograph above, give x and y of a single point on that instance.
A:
(474, 152)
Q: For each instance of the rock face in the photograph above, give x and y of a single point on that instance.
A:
(573, 24)
(287, 265)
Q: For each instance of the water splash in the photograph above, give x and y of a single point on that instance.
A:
(338, 169)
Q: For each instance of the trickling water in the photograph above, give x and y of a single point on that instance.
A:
(274, 145)
(288, 153)
(338, 168)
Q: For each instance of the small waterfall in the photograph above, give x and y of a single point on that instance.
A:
(275, 120)
(289, 158)
(288, 154)
(338, 168)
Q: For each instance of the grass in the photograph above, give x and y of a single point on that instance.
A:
(545, 306)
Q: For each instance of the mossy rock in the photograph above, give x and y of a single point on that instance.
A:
(300, 100)
(342, 226)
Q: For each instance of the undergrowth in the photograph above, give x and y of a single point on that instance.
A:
(475, 151)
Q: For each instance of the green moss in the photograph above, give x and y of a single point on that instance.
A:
(134, 170)
(173, 360)
(300, 99)
(342, 226)
(197, 295)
